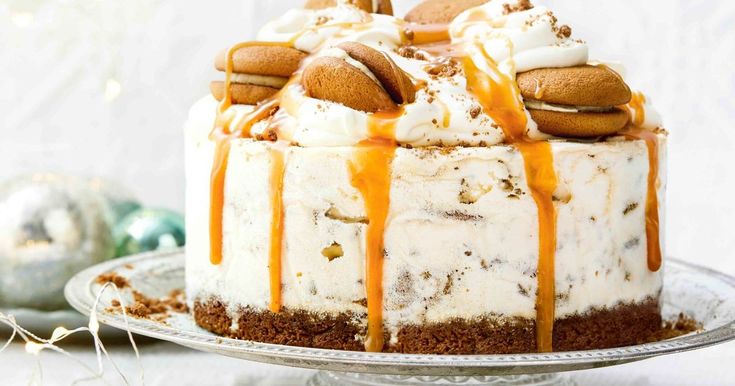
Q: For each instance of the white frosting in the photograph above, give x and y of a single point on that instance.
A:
(518, 41)
(443, 205)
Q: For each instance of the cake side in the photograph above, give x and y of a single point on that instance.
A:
(461, 244)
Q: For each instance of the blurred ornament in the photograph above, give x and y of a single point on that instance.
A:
(51, 226)
(149, 230)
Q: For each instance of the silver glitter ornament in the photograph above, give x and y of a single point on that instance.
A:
(51, 227)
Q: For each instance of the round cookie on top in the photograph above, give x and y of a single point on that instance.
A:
(259, 71)
(576, 101)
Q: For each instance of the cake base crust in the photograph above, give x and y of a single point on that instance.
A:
(623, 325)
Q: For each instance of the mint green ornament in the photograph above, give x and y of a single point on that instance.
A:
(149, 230)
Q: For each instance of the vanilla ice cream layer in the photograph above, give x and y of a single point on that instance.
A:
(461, 237)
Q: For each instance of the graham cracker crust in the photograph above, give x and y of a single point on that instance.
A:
(623, 325)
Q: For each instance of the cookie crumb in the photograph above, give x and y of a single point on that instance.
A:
(444, 68)
(475, 111)
(674, 328)
(411, 52)
(156, 309)
(321, 20)
(564, 32)
(523, 5)
(114, 278)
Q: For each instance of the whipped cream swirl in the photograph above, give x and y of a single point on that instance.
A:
(520, 40)
(445, 113)
(310, 30)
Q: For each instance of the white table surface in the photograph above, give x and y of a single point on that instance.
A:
(168, 364)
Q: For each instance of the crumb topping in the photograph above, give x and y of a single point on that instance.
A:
(156, 309)
(113, 277)
(523, 5)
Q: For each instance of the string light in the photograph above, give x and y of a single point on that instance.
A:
(34, 345)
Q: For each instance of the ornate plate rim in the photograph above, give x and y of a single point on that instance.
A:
(78, 292)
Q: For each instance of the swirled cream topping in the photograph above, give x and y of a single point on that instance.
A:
(507, 35)
(444, 113)
(519, 39)
(311, 30)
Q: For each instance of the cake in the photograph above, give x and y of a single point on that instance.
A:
(464, 180)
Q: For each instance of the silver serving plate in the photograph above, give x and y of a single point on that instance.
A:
(701, 293)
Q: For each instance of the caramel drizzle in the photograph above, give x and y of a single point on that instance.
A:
(500, 98)
(419, 34)
(216, 202)
(637, 101)
(370, 171)
(222, 135)
(278, 168)
(636, 132)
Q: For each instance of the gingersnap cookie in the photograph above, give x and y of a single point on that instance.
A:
(269, 60)
(591, 91)
(576, 86)
(258, 72)
(381, 6)
(333, 79)
(580, 124)
(394, 80)
(242, 94)
(440, 11)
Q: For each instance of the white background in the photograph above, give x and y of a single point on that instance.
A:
(61, 62)
(59, 58)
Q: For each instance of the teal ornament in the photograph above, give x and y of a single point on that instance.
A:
(149, 230)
